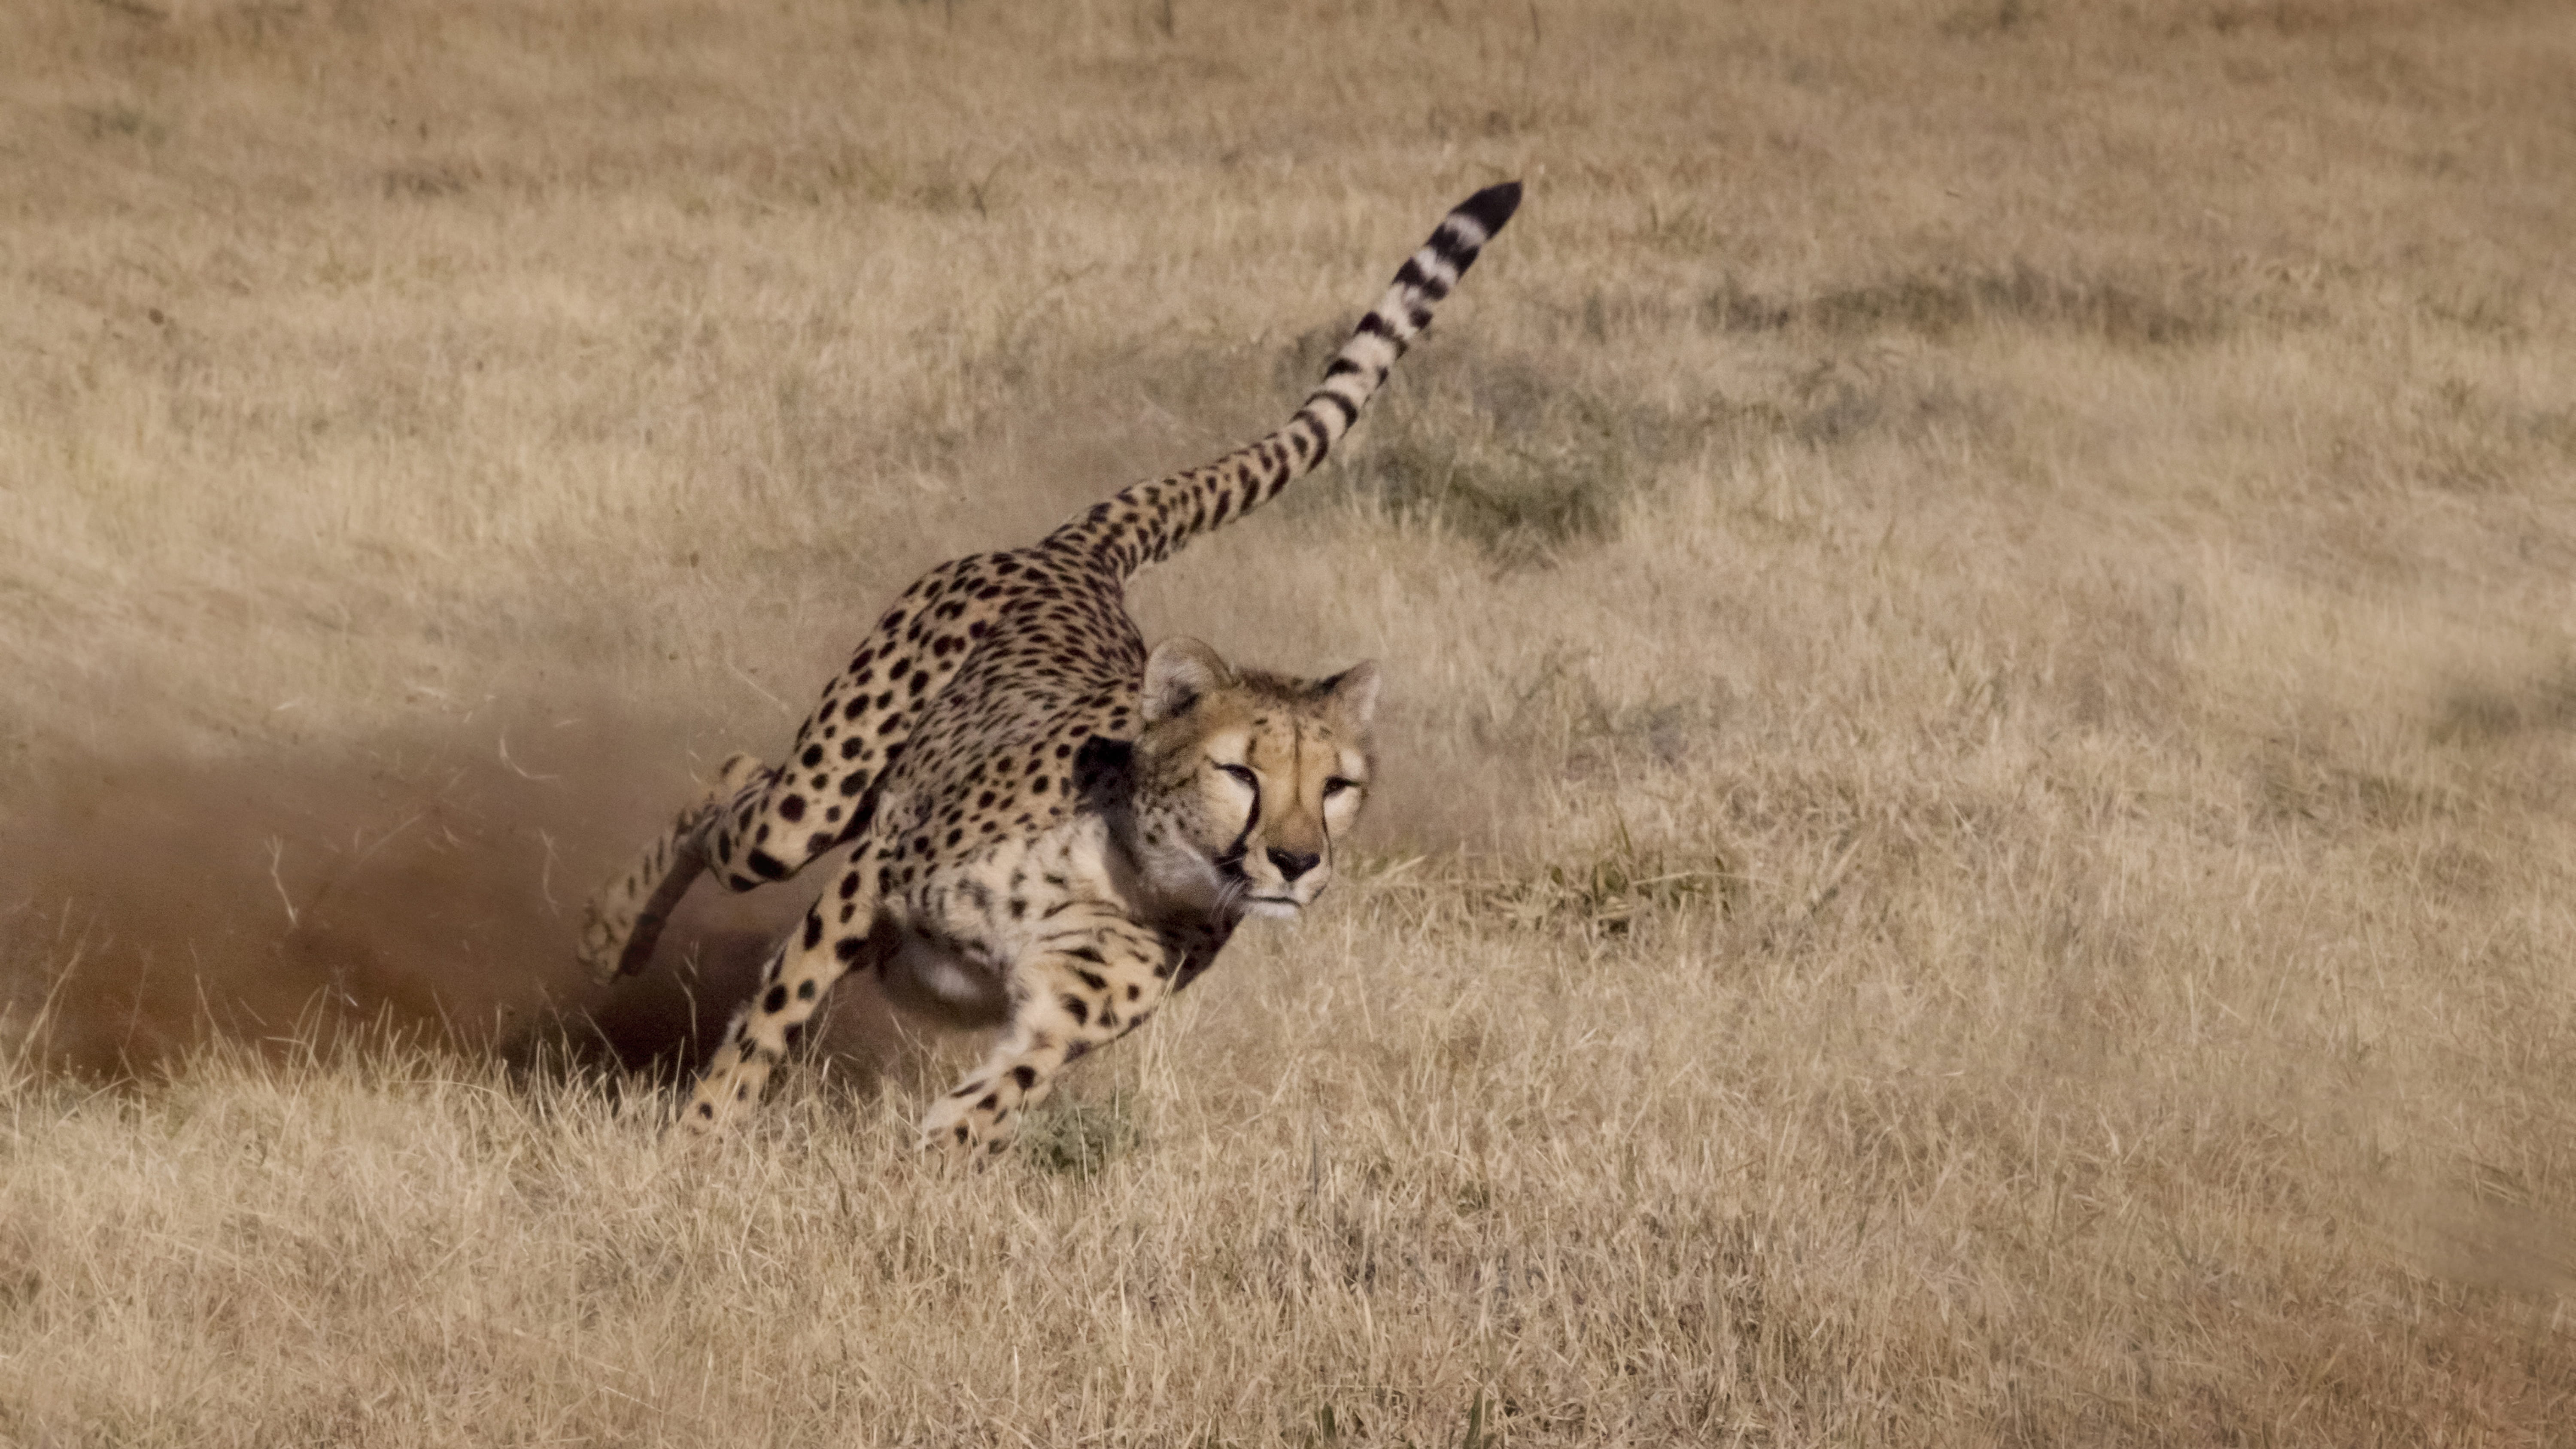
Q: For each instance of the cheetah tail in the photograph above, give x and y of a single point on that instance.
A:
(1150, 521)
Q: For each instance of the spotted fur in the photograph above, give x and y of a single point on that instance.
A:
(1050, 832)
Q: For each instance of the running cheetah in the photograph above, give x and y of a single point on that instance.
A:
(1050, 830)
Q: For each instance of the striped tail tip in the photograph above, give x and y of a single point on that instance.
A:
(1453, 248)
(1427, 277)
(1491, 207)
(1145, 523)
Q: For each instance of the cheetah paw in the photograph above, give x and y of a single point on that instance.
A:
(603, 944)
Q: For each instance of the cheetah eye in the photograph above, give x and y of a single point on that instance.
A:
(1337, 785)
(1244, 776)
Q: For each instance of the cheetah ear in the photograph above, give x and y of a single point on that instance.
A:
(1178, 673)
(1354, 693)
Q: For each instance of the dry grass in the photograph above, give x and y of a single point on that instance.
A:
(1977, 601)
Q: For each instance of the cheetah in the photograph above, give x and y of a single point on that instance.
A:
(1050, 829)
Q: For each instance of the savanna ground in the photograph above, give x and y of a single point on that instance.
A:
(1977, 600)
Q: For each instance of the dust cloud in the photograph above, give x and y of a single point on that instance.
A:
(427, 885)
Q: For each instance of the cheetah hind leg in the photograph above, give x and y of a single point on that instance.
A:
(625, 919)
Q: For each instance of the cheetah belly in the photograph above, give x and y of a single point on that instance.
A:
(933, 977)
(955, 938)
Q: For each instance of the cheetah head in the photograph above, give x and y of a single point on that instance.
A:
(1243, 782)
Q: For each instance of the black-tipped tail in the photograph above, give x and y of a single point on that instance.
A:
(1145, 523)
(1427, 277)
(1492, 206)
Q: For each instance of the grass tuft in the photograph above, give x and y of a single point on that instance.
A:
(1079, 1137)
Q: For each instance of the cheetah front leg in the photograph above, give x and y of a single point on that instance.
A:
(625, 918)
(832, 939)
(1073, 997)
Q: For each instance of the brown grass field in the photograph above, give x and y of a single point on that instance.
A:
(1981, 842)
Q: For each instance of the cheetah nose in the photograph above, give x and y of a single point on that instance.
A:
(1293, 863)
